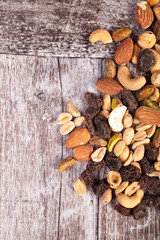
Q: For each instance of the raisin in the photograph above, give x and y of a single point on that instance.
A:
(95, 167)
(90, 126)
(124, 211)
(150, 184)
(91, 112)
(151, 152)
(146, 166)
(130, 173)
(112, 161)
(88, 178)
(102, 127)
(100, 187)
(151, 200)
(130, 101)
(92, 99)
(146, 60)
(140, 212)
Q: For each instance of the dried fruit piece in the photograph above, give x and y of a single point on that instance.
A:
(80, 136)
(106, 196)
(112, 142)
(146, 60)
(98, 154)
(90, 126)
(106, 105)
(146, 166)
(132, 188)
(114, 179)
(156, 10)
(150, 184)
(64, 118)
(91, 112)
(128, 135)
(88, 177)
(102, 127)
(155, 79)
(147, 40)
(121, 34)
(115, 118)
(72, 110)
(144, 15)
(140, 212)
(116, 102)
(82, 153)
(151, 152)
(151, 200)
(124, 52)
(79, 121)
(110, 68)
(119, 147)
(157, 30)
(113, 162)
(92, 99)
(67, 128)
(148, 115)
(124, 211)
(145, 92)
(156, 138)
(95, 167)
(108, 86)
(130, 101)
(80, 187)
(140, 135)
(100, 188)
(66, 164)
(152, 2)
(100, 35)
(130, 173)
(139, 153)
(136, 52)
(98, 141)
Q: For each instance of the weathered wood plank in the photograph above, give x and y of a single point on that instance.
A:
(61, 27)
(30, 146)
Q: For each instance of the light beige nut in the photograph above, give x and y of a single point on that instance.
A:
(119, 148)
(114, 179)
(156, 10)
(79, 121)
(157, 166)
(124, 155)
(137, 165)
(136, 144)
(130, 202)
(128, 135)
(66, 164)
(128, 82)
(143, 127)
(151, 131)
(154, 174)
(140, 135)
(115, 118)
(105, 113)
(127, 120)
(136, 121)
(64, 118)
(156, 66)
(100, 35)
(158, 157)
(155, 96)
(80, 187)
(136, 52)
(67, 128)
(129, 159)
(152, 2)
(132, 189)
(155, 79)
(157, 47)
(98, 141)
(147, 40)
(98, 154)
(107, 196)
(121, 187)
(106, 105)
(72, 110)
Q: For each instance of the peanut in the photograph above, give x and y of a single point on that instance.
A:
(143, 127)
(151, 131)
(136, 52)
(64, 118)
(129, 159)
(137, 165)
(136, 144)
(67, 128)
(124, 155)
(72, 110)
(128, 135)
(119, 147)
(79, 121)
(80, 187)
(121, 187)
(140, 135)
(132, 188)
(139, 153)
(98, 154)
(106, 105)
(107, 196)
(127, 121)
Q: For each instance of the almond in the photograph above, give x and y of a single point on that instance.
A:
(109, 86)
(144, 14)
(82, 153)
(148, 115)
(124, 52)
(80, 136)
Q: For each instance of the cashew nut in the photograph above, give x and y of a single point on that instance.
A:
(125, 79)
(155, 96)
(130, 202)
(115, 118)
(156, 66)
(100, 35)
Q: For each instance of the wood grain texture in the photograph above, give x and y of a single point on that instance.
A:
(62, 27)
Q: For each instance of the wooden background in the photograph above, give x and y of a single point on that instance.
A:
(36, 201)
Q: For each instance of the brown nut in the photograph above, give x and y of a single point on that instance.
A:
(158, 157)
(121, 34)
(121, 187)
(80, 187)
(129, 159)
(136, 144)
(157, 47)
(155, 96)
(151, 131)
(145, 92)
(72, 110)
(147, 40)
(132, 189)
(137, 165)
(128, 135)
(100, 35)
(98, 154)
(67, 128)
(124, 155)
(105, 113)
(114, 179)
(156, 10)
(157, 166)
(64, 118)
(136, 52)
(106, 196)
(127, 121)
(140, 135)
(98, 141)
(79, 121)
(78, 137)
(106, 105)
(110, 68)
(66, 164)
(82, 153)
(119, 148)
(155, 79)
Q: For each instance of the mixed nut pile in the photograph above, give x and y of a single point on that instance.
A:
(121, 130)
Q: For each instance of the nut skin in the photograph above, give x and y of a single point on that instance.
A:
(124, 52)
(147, 40)
(136, 52)
(110, 68)
(108, 86)
(121, 34)
(156, 10)
(79, 187)
(148, 115)
(145, 92)
(83, 153)
(143, 14)
(100, 35)
(66, 164)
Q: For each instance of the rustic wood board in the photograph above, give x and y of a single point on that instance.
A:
(61, 27)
